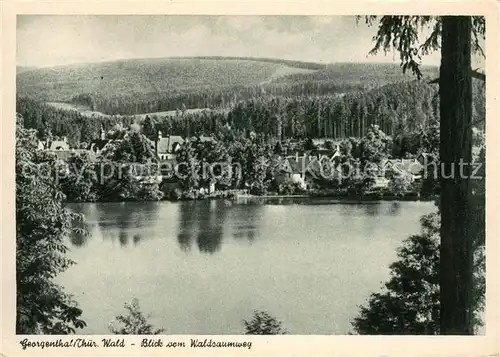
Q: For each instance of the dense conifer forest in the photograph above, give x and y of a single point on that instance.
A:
(401, 109)
(152, 85)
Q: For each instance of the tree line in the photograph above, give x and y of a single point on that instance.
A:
(399, 109)
(205, 96)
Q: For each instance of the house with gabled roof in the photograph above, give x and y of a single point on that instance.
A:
(167, 147)
(324, 154)
(61, 149)
(97, 145)
(425, 158)
(54, 145)
(64, 155)
(298, 169)
(204, 138)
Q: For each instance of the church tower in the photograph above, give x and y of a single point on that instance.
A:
(103, 134)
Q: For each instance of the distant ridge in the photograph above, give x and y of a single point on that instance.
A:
(156, 75)
(132, 86)
(290, 63)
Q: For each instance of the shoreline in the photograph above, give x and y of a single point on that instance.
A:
(244, 197)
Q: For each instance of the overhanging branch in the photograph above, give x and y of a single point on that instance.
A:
(474, 74)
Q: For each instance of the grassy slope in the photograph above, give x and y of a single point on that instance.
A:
(85, 111)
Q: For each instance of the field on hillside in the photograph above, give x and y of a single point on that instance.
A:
(87, 112)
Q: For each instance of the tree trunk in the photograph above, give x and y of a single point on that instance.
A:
(455, 92)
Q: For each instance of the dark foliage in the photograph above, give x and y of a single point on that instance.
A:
(134, 322)
(42, 224)
(263, 324)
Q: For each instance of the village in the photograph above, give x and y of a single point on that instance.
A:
(307, 171)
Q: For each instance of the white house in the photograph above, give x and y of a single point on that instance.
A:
(298, 168)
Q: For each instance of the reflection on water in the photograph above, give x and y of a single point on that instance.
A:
(125, 216)
(211, 219)
(76, 237)
(246, 221)
(186, 224)
(372, 209)
(394, 208)
(204, 220)
(126, 220)
(201, 266)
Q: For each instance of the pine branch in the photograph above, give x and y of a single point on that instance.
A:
(474, 74)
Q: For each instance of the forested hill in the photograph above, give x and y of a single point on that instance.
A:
(161, 84)
(289, 63)
(401, 110)
(145, 76)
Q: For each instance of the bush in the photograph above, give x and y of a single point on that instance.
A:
(175, 194)
(263, 324)
(190, 195)
(150, 192)
(289, 187)
(134, 322)
(399, 185)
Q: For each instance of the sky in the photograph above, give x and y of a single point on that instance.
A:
(44, 40)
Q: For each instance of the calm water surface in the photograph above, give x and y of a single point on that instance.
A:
(201, 267)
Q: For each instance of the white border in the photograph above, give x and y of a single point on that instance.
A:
(273, 345)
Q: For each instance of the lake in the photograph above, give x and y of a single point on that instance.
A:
(200, 267)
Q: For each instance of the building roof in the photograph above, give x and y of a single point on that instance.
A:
(206, 138)
(97, 144)
(319, 141)
(410, 166)
(163, 145)
(425, 158)
(58, 145)
(300, 164)
(168, 144)
(66, 154)
(61, 154)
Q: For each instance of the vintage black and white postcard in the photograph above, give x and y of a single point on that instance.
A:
(239, 178)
